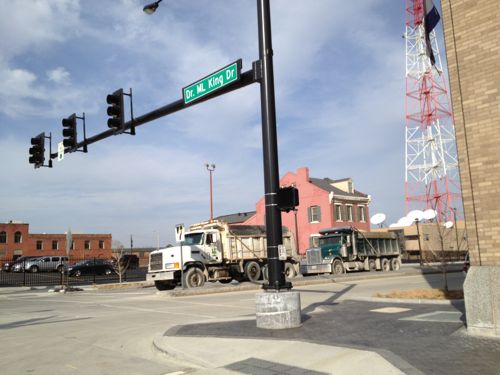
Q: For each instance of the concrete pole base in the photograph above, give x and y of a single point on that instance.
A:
(278, 310)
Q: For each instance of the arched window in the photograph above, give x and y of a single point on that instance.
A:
(18, 237)
(3, 237)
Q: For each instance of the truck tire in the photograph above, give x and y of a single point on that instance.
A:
(372, 266)
(337, 267)
(265, 273)
(289, 271)
(385, 265)
(252, 271)
(395, 264)
(164, 285)
(194, 278)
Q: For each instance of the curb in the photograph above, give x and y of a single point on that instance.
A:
(414, 301)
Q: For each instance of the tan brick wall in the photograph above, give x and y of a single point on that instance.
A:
(472, 38)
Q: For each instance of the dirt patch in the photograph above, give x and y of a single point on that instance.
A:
(423, 294)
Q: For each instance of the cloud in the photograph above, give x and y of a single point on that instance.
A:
(58, 75)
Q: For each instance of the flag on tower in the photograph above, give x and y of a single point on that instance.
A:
(431, 19)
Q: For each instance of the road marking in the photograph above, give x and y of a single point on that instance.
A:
(438, 316)
(175, 373)
(390, 310)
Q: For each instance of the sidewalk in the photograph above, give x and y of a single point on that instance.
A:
(348, 337)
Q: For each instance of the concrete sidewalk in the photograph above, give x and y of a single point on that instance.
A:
(253, 356)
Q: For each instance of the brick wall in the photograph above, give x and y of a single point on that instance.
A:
(472, 37)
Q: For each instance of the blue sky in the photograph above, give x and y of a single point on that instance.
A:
(340, 94)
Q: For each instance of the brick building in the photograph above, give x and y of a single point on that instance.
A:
(471, 31)
(324, 203)
(16, 241)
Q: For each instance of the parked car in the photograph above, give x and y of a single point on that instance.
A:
(90, 267)
(8, 266)
(466, 263)
(129, 261)
(42, 264)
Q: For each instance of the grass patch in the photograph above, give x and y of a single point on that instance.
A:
(423, 294)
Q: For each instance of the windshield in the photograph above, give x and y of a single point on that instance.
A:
(193, 239)
(330, 240)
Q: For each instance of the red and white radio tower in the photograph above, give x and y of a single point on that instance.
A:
(432, 177)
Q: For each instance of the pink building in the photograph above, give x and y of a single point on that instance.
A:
(324, 203)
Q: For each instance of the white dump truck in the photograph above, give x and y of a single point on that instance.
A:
(216, 251)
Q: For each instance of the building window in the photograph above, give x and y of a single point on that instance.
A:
(3, 237)
(314, 240)
(101, 244)
(314, 213)
(349, 187)
(39, 245)
(55, 245)
(338, 212)
(18, 237)
(87, 245)
(361, 214)
(349, 212)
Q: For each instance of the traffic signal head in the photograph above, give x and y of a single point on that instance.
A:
(37, 150)
(116, 110)
(69, 131)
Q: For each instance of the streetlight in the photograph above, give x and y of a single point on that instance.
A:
(151, 8)
(210, 169)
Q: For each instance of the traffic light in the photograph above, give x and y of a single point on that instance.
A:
(37, 150)
(69, 131)
(116, 110)
(288, 198)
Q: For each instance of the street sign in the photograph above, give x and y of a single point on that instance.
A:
(212, 82)
(179, 233)
(60, 151)
(282, 252)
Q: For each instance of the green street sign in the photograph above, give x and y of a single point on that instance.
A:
(212, 82)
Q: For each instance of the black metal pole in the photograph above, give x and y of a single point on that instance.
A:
(270, 149)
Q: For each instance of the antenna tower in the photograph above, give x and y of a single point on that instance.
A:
(431, 170)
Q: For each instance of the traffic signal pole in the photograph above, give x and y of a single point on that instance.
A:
(270, 149)
(247, 78)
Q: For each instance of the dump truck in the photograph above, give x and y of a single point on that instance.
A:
(345, 249)
(217, 251)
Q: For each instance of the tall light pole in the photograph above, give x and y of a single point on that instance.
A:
(264, 74)
(210, 169)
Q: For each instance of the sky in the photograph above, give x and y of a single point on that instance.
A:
(340, 104)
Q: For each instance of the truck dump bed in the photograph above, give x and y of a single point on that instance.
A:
(377, 243)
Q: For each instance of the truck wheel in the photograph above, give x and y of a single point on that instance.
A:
(290, 272)
(372, 266)
(386, 265)
(194, 278)
(395, 264)
(337, 267)
(252, 271)
(265, 273)
(164, 285)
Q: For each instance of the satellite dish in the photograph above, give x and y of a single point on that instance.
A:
(448, 224)
(405, 221)
(377, 219)
(393, 225)
(430, 214)
(415, 215)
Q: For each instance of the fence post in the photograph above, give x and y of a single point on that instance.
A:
(94, 271)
